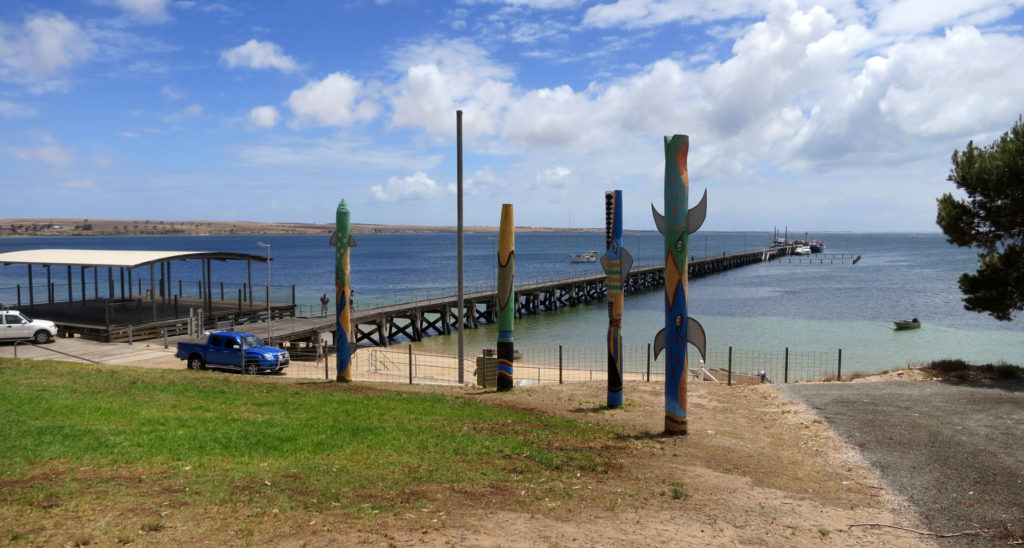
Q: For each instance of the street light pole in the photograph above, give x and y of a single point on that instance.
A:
(261, 244)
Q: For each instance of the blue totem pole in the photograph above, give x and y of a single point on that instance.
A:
(676, 225)
(616, 262)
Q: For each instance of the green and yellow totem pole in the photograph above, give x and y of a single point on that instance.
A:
(343, 241)
(676, 225)
(506, 297)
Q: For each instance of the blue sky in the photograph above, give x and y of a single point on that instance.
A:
(830, 115)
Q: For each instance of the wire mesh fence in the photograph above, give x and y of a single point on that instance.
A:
(566, 364)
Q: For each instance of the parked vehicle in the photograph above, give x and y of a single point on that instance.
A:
(232, 350)
(16, 326)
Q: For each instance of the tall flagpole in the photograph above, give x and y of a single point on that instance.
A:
(458, 140)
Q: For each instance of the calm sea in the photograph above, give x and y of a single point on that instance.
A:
(764, 307)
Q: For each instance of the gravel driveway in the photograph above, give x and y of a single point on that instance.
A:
(954, 450)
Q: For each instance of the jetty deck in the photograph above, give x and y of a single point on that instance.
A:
(136, 318)
(380, 326)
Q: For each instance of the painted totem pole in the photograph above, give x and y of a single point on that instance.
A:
(676, 225)
(506, 297)
(616, 262)
(343, 241)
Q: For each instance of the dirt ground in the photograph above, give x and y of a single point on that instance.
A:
(756, 469)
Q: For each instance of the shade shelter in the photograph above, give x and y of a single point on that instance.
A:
(119, 299)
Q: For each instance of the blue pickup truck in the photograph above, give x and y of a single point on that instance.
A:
(224, 350)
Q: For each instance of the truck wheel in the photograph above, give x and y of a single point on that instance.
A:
(41, 337)
(196, 362)
(251, 368)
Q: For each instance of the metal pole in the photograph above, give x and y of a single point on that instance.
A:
(785, 377)
(648, 362)
(458, 155)
(839, 373)
(730, 365)
(261, 244)
(410, 363)
(559, 364)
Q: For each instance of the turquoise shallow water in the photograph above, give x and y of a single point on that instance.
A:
(760, 310)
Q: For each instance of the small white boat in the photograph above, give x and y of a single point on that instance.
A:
(802, 250)
(585, 257)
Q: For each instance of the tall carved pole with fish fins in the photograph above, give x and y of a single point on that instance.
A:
(676, 225)
(343, 241)
(616, 262)
(506, 297)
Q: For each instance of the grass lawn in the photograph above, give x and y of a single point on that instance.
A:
(132, 442)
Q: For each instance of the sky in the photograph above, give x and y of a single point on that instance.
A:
(835, 115)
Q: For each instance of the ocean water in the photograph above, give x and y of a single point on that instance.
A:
(759, 308)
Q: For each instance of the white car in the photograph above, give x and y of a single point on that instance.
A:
(16, 326)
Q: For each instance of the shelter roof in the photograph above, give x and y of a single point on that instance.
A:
(116, 257)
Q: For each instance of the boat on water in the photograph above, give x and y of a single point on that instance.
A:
(801, 249)
(817, 246)
(585, 257)
(902, 325)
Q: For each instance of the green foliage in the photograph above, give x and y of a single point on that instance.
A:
(991, 219)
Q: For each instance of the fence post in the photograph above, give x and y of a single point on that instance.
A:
(839, 373)
(410, 363)
(129, 334)
(559, 364)
(648, 362)
(165, 336)
(730, 365)
(785, 377)
(326, 355)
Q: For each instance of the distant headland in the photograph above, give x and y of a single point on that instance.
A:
(109, 227)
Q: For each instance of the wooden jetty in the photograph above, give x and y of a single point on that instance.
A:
(382, 325)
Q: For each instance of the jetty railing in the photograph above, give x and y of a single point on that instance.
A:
(569, 364)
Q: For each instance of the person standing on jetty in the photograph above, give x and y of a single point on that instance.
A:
(324, 301)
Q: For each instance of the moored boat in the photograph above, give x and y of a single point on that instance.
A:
(901, 325)
(585, 257)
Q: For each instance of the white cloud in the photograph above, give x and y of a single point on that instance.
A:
(147, 10)
(337, 100)
(646, 13)
(258, 55)
(442, 77)
(10, 109)
(36, 54)
(917, 16)
(80, 185)
(413, 187)
(264, 116)
(172, 93)
(49, 152)
(189, 112)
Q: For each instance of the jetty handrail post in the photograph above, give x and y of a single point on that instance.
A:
(730, 366)
(785, 376)
(839, 371)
